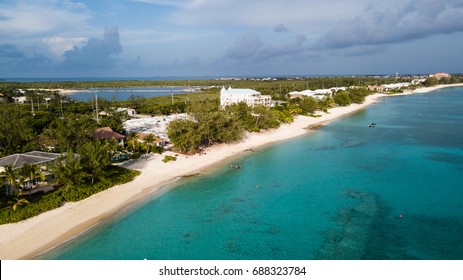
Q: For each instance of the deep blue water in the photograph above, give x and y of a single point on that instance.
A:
(346, 191)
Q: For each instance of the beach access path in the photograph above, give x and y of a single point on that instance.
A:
(29, 238)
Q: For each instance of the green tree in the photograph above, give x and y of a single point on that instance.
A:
(17, 201)
(182, 133)
(431, 81)
(284, 115)
(15, 128)
(358, 94)
(149, 139)
(95, 158)
(131, 142)
(265, 118)
(69, 172)
(243, 114)
(342, 98)
(31, 173)
(295, 109)
(10, 176)
(308, 105)
(113, 119)
(72, 131)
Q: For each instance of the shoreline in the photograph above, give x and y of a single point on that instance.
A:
(29, 238)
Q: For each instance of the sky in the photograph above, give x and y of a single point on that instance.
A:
(145, 38)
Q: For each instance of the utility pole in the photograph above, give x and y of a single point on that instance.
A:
(61, 106)
(172, 95)
(32, 103)
(38, 101)
(96, 108)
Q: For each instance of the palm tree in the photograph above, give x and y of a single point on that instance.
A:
(149, 139)
(18, 200)
(70, 171)
(31, 172)
(132, 141)
(95, 158)
(295, 110)
(11, 176)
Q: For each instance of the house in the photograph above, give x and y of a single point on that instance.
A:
(158, 141)
(377, 88)
(106, 133)
(130, 112)
(440, 75)
(20, 99)
(396, 86)
(18, 161)
(251, 97)
(318, 93)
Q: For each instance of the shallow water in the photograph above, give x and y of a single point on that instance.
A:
(346, 191)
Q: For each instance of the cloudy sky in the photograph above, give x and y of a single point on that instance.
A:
(143, 38)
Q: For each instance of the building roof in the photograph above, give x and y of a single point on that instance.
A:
(238, 91)
(106, 133)
(440, 75)
(143, 136)
(34, 157)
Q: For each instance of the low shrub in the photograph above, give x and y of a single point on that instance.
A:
(169, 158)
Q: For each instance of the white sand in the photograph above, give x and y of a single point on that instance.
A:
(27, 239)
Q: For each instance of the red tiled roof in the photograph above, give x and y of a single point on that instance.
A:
(106, 133)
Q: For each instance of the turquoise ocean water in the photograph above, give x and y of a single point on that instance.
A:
(346, 191)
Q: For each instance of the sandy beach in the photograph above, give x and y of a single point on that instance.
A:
(29, 238)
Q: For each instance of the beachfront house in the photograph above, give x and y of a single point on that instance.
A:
(440, 75)
(157, 141)
(33, 158)
(318, 93)
(377, 88)
(251, 97)
(106, 133)
(396, 86)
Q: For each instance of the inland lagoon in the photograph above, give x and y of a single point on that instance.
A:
(346, 191)
(126, 93)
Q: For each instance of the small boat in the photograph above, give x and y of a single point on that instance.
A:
(372, 124)
(237, 166)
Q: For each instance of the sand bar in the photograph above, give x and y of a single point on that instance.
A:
(29, 238)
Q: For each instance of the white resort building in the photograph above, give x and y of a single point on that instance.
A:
(250, 97)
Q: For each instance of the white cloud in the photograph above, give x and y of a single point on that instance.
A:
(58, 45)
(20, 19)
(95, 53)
(396, 22)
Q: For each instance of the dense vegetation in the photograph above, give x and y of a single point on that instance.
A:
(209, 124)
(39, 203)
